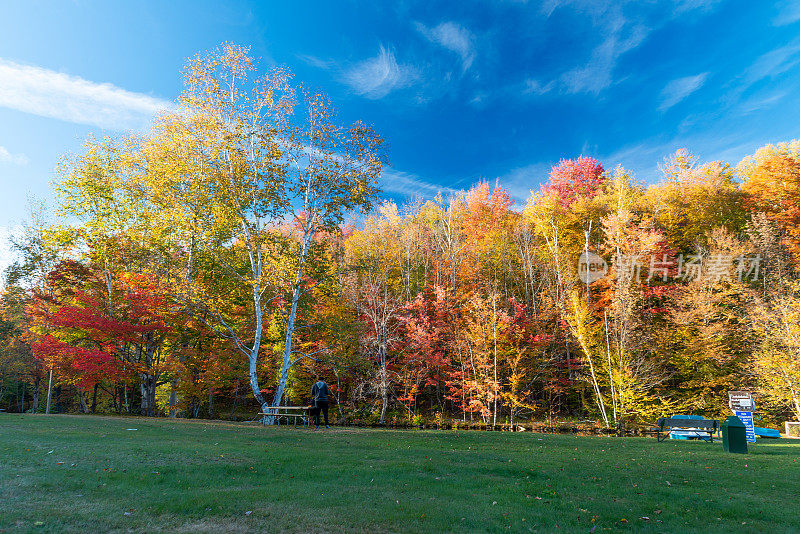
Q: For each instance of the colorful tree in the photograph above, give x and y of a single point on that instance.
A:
(572, 179)
(773, 185)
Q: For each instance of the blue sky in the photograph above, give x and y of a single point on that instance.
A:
(462, 91)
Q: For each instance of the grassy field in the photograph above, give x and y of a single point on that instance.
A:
(89, 474)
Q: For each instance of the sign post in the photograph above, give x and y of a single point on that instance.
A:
(742, 405)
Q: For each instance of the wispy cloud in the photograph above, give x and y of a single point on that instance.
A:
(681, 6)
(597, 74)
(521, 182)
(14, 159)
(453, 37)
(788, 12)
(761, 102)
(69, 98)
(678, 89)
(772, 64)
(620, 36)
(623, 30)
(378, 76)
(535, 87)
(410, 185)
(744, 94)
(314, 61)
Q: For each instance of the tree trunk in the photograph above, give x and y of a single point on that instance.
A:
(495, 385)
(118, 400)
(49, 391)
(94, 398)
(21, 400)
(290, 324)
(384, 387)
(144, 408)
(173, 400)
(235, 398)
(82, 398)
(610, 370)
(255, 387)
(147, 388)
(35, 405)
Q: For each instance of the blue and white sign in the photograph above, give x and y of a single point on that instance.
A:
(747, 419)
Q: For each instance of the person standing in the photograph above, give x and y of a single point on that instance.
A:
(320, 394)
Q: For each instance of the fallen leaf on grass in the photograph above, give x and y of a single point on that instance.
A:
(38, 523)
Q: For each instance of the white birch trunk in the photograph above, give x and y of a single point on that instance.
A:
(49, 391)
(290, 324)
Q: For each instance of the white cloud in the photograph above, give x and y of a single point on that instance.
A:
(761, 102)
(677, 90)
(681, 6)
(378, 76)
(314, 61)
(479, 98)
(523, 181)
(14, 159)
(69, 98)
(788, 13)
(535, 87)
(771, 64)
(407, 184)
(621, 35)
(453, 37)
(596, 75)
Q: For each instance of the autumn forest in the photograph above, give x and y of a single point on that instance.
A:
(214, 265)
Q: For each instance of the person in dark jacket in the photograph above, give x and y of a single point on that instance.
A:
(320, 394)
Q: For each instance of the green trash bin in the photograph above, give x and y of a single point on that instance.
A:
(734, 435)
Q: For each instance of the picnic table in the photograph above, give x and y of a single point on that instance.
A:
(686, 427)
(303, 413)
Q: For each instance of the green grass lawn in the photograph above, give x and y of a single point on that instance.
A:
(89, 474)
